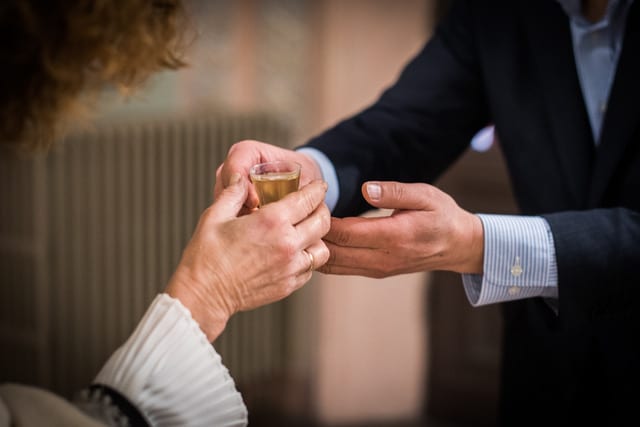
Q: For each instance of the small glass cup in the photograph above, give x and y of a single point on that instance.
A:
(274, 180)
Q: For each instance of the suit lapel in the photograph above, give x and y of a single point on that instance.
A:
(621, 119)
(549, 35)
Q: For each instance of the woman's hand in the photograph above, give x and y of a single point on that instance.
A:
(427, 231)
(238, 263)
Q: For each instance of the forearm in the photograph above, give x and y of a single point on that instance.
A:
(210, 313)
(170, 372)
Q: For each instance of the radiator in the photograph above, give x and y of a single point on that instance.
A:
(90, 232)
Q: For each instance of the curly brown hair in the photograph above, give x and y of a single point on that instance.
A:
(54, 51)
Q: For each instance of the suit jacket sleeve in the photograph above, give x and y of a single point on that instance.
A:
(420, 125)
(597, 255)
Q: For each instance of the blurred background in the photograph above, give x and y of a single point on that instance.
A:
(91, 231)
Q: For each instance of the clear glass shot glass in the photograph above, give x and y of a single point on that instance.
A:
(274, 180)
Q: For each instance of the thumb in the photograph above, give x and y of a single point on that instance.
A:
(398, 195)
(231, 200)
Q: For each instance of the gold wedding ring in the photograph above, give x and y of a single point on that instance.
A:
(311, 260)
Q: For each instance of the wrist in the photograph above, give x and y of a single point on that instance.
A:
(210, 314)
(473, 247)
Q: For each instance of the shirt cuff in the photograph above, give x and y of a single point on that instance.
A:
(519, 261)
(328, 174)
(171, 373)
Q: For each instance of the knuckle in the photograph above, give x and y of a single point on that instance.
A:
(320, 227)
(272, 220)
(281, 291)
(384, 269)
(330, 257)
(290, 285)
(288, 246)
(238, 151)
(398, 191)
(433, 193)
(325, 219)
(426, 189)
(342, 237)
(322, 256)
(207, 215)
(308, 202)
(237, 146)
(326, 269)
(243, 145)
(376, 274)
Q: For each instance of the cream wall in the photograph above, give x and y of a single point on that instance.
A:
(371, 350)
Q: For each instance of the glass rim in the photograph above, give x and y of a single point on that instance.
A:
(292, 167)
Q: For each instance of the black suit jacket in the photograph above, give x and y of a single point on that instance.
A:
(511, 63)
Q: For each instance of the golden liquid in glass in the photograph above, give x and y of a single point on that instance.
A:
(273, 186)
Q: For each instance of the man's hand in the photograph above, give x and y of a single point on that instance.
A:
(245, 154)
(426, 231)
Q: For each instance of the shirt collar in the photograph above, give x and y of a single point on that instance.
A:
(573, 8)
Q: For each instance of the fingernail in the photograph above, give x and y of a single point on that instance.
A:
(235, 178)
(374, 191)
